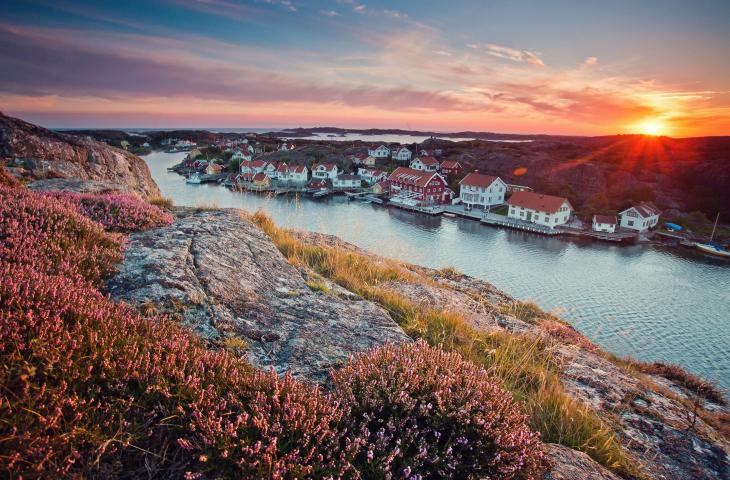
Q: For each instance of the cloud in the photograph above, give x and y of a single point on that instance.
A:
(395, 14)
(590, 62)
(362, 8)
(329, 13)
(514, 54)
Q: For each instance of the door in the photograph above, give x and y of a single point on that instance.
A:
(529, 216)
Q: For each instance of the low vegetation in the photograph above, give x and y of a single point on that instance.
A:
(522, 364)
(162, 202)
(419, 409)
(92, 388)
(118, 213)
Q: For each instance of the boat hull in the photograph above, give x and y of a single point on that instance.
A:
(712, 250)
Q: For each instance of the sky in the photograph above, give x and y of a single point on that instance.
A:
(558, 67)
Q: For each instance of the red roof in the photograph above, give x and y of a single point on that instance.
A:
(478, 179)
(257, 163)
(451, 164)
(283, 167)
(384, 184)
(259, 177)
(537, 201)
(327, 166)
(410, 176)
(605, 219)
(428, 161)
(297, 168)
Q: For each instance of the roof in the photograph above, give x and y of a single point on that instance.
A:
(605, 219)
(450, 164)
(646, 209)
(257, 163)
(537, 201)
(376, 146)
(260, 177)
(410, 176)
(297, 168)
(327, 166)
(283, 167)
(428, 160)
(383, 184)
(478, 179)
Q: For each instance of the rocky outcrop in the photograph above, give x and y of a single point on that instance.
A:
(79, 186)
(569, 464)
(221, 275)
(38, 153)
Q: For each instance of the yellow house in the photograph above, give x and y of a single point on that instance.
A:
(261, 181)
(194, 153)
(369, 161)
(213, 169)
(380, 188)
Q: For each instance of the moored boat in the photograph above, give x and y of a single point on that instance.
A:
(194, 178)
(711, 247)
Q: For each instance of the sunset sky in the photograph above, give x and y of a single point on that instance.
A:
(582, 67)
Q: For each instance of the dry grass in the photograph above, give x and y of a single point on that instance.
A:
(162, 202)
(523, 364)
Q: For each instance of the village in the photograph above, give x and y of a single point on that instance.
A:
(412, 179)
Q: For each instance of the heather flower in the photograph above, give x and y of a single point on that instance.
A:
(426, 413)
(116, 212)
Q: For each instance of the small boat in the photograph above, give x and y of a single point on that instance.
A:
(194, 178)
(711, 247)
(449, 214)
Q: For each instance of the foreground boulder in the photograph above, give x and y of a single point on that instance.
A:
(38, 153)
(224, 277)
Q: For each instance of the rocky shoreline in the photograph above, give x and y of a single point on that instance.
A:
(224, 277)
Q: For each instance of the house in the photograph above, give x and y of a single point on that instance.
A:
(318, 184)
(370, 161)
(244, 178)
(418, 187)
(401, 154)
(381, 188)
(604, 223)
(358, 158)
(478, 189)
(324, 170)
(640, 218)
(238, 155)
(379, 151)
(194, 153)
(427, 164)
(347, 181)
(285, 147)
(271, 170)
(200, 164)
(452, 169)
(298, 174)
(213, 169)
(261, 181)
(254, 166)
(511, 188)
(545, 210)
(282, 172)
(371, 176)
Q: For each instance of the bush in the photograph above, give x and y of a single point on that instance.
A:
(37, 231)
(119, 213)
(6, 179)
(426, 413)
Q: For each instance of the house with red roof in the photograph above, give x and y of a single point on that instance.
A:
(427, 164)
(604, 223)
(379, 151)
(480, 190)
(213, 168)
(297, 174)
(401, 154)
(261, 181)
(418, 188)
(641, 217)
(546, 210)
(452, 169)
(325, 171)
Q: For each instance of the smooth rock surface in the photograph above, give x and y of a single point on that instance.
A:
(225, 278)
(43, 154)
(568, 464)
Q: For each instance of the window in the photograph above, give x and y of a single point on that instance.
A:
(630, 223)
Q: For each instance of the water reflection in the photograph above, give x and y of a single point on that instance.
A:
(651, 303)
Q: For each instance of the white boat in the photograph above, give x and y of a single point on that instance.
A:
(193, 178)
(449, 214)
(711, 247)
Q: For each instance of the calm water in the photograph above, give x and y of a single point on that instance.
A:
(650, 303)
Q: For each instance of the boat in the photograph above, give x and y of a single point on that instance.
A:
(711, 247)
(194, 178)
(449, 214)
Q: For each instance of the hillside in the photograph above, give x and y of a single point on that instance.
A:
(35, 153)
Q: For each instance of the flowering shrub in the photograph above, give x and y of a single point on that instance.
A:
(36, 230)
(7, 179)
(119, 213)
(426, 413)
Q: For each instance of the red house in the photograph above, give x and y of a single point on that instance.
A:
(452, 169)
(417, 187)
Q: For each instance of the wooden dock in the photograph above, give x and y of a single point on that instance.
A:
(503, 221)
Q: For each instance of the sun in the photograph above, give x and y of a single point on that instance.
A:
(651, 127)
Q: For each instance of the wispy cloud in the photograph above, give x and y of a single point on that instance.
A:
(329, 13)
(590, 62)
(514, 54)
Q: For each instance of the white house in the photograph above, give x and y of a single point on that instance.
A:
(544, 210)
(425, 164)
(371, 175)
(285, 147)
(604, 223)
(402, 154)
(478, 189)
(640, 218)
(380, 151)
(347, 181)
(324, 170)
(298, 174)
(255, 166)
